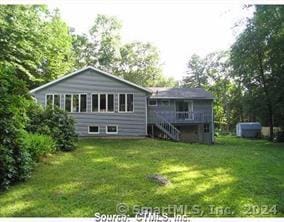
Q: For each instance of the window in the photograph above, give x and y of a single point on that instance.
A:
(121, 102)
(111, 129)
(83, 103)
(102, 103)
(110, 104)
(56, 100)
(75, 106)
(49, 100)
(53, 100)
(95, 103)
(68, 103)
(76, 103)
(206, 128)
(129, 102)
(165, 102)
(94, 130)
(152, 102)
(126, 103)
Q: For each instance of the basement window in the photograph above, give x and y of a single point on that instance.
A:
(111, 129)
(94, 130)
(206, 128)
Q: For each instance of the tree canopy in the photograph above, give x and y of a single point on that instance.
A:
(248, 80)
(36, 42)
(102, 47)
(257, 58)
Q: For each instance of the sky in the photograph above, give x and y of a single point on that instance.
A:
(178, 28)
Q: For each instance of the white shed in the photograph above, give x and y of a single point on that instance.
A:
(248, 129)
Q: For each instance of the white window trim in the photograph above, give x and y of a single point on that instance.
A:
(52, 94)
(112, 132)
(94, 132)
(153, 105)
(79, 94)
(99, 103)
(125, 95)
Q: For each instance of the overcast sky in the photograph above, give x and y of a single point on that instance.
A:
(177, 29)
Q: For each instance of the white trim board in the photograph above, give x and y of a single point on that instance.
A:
(94, 69)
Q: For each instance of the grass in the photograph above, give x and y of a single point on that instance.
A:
(241, 177)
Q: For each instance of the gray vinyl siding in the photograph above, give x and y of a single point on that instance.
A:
(91, 82)
(199, 106)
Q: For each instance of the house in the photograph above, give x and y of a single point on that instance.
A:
(106, 105)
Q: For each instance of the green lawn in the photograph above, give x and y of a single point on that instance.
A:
(234, 173)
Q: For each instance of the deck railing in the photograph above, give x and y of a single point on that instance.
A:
(181, 117)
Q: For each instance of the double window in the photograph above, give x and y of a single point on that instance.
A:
(102, 102)
(126, 103)
(52, 100)
(110, 129)
(75, 103)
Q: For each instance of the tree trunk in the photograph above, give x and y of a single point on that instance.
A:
(268, 100)
(270, 123)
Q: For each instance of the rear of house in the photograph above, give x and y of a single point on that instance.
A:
(104, 105)
(101, 104)
(189, 110)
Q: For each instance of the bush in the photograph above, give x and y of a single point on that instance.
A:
(39, 145)
(55, 123)
(15, 161)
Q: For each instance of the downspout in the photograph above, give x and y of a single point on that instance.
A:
(212, 123)
(146, 113)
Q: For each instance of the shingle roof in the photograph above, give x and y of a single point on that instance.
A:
(180, 93)
(250, 125)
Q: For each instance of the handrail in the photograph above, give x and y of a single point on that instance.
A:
(166, 126)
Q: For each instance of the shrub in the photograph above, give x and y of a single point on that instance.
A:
(55, 123)
(39, 145)
(15, 161)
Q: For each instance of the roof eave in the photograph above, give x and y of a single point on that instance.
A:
(94, 69)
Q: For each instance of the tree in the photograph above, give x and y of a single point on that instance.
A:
(196, 76)
(213, 72)
(35, 42)
(82, 49)
(58, 57)
(15, 161)
(105, 37)
(137, 61)
(257, 58)
(140, 63)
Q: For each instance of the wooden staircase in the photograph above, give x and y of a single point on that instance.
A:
(166, 127)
